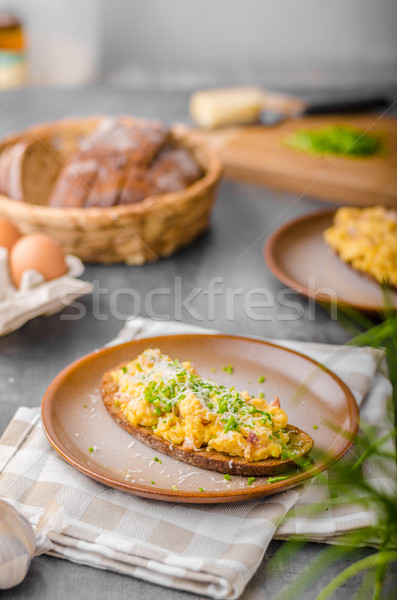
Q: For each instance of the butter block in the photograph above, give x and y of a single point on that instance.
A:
(226, 106)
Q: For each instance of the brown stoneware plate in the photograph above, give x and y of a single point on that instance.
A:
(298, 256)
(75, 420)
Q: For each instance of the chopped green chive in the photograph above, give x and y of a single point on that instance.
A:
(152, 482)
(227, 477)
(201, 489)
(212, 371)
(261, 379)
(275, 479)
(315, 426)
(124, 369)
(174, 487)
(116, 404)
(261, 395)
(231, 424)
(85, 406)
(156, 458)
(228, 369)
(91, 449)
(251, 480)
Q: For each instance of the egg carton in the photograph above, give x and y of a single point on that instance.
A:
(35, 296)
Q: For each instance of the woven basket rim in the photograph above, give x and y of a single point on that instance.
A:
(182, 133)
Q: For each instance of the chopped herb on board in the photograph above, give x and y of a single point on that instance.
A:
(91, 449)
(156, 458)
(201, 489)
(228, 369)
(251, 480)
(315, 426)
(227, 477)
(336, 140)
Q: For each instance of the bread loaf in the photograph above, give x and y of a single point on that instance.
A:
(119, 162)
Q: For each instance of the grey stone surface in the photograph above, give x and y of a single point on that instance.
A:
(230, 251)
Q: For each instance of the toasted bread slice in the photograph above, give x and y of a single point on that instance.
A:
(300, 444)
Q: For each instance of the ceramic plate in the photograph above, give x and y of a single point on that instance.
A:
(298, 256)
(75, 419)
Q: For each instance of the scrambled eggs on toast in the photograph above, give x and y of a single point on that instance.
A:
(366, 238)
(166, 404)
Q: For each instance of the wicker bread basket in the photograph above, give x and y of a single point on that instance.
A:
(130, 233)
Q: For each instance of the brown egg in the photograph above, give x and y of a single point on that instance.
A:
(9, 234)
(39, 252)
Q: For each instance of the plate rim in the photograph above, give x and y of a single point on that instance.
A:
(269, 255)
(180, 495)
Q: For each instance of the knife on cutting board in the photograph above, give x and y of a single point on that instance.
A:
(221, 107)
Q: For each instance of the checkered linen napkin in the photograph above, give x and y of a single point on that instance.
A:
(209, 550)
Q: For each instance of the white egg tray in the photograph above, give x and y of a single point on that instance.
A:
(36, 296)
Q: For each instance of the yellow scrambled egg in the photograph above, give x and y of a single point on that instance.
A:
(366, 238)
(178, 405)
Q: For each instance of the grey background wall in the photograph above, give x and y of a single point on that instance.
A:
(268, 32)
(193, 42)
(351, 38)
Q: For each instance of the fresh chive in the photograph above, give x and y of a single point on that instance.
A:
(261, 379)
(124, 369)
(315, 426)
(231, 424)
(152, 482)
(228, 369)
(227, 477)
(156, 458)
(201, 489)
(261, 395)
(212, 371)
(251, 480)
(174, 487)
(116, 404)
(275, 479)
(91, 449)
(85, 406)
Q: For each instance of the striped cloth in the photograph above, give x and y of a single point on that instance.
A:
(209, 550)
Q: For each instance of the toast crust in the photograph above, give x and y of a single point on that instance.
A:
(300, 444)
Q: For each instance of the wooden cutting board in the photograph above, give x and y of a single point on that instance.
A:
(257, 154)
